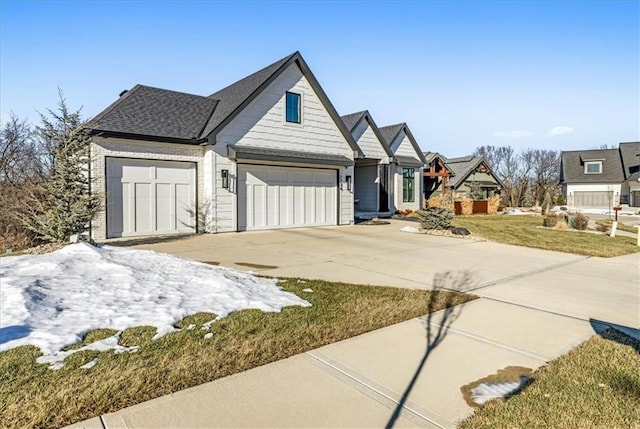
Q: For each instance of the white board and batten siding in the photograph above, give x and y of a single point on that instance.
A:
(262, 124)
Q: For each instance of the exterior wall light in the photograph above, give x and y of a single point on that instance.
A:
(348, 178)
(225, 179)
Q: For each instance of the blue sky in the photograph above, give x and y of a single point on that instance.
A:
(545, 74)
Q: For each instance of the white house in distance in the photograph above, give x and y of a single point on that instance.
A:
(269, 151)
(602, 178)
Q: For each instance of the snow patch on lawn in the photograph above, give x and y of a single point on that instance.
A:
(111, 343)
(486, 391)
(52, 300)
(90, 364)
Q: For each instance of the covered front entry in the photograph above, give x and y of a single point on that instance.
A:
(147, 197)
(371, 186)
(271, 197)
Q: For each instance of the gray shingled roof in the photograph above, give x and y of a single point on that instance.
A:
(262, 153)
(149, 111)
(352, 119)
(630, 152)
(235, 94)
(175, 116)
(408, 161)
(390, 132)
(462, 167)
(573, 166)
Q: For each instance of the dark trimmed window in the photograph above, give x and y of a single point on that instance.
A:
(408, 185)
(293, 107)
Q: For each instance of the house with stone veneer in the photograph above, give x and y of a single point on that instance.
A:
(269, 151)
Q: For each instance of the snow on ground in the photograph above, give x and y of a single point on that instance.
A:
(570, 209)
(52, 300)
(411, 229)
(487, 391)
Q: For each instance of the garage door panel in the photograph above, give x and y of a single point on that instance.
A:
(287, 197)
(326, 178)
(164, 207)
(592, 198)
(277, 176)
(143, 207)
(138, 172)
(272, 200)
(147, 197)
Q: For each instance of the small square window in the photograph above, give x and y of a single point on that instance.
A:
(593, 167)
(293, 107)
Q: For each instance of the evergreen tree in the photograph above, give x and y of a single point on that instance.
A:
(66, 205)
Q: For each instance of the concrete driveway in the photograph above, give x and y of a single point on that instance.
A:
(579, 286)
(534, 306)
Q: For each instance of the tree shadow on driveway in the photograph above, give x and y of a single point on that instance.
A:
(437, 323)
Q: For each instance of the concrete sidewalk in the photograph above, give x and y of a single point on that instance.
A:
(534, 306)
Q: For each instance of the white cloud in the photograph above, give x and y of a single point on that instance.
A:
(514, 134)
(560, 130)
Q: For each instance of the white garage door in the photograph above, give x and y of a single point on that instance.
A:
(284, 197)
(150, 197)
(592, 199)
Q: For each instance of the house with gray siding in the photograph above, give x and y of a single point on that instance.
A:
(373, 181)
(268, 151)
(409, 166)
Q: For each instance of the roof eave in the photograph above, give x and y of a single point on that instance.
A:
(145, 137)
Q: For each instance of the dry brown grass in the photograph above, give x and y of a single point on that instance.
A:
(597, 385)
(34, 396)
(524, 231)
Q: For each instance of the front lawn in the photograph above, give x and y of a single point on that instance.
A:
(525, 231)
(35, 396)
(596, 385)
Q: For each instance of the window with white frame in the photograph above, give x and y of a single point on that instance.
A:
(593, 167)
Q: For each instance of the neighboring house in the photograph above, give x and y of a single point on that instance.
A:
(268, 151)
(472, 174)
(407, 177)
(601, 178)
(373, 181)
(630, 191)
(436, 174)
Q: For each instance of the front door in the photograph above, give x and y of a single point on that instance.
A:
(384, 187)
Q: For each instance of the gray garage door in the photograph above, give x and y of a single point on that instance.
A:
(593, 199)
